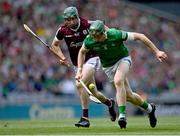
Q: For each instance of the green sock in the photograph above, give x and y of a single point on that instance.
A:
(145, 105)
(122, 109)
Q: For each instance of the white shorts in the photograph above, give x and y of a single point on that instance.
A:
(110, 71)
(94, 62)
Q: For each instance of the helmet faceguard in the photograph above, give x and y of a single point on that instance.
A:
(71, 13)
(97, 28)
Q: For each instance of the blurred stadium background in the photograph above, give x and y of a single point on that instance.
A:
(34, 86)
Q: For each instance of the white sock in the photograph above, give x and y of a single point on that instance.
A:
(122, 115)
(149, 108)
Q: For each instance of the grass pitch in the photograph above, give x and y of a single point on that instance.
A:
(99, 126)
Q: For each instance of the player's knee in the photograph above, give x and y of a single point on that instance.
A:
(118, 82)
(79, 87)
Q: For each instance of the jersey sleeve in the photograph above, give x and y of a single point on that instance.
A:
(86, 43)
(59, 34)
(120, 34)
(124, 35)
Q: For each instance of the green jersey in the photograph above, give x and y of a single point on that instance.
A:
(112, 49)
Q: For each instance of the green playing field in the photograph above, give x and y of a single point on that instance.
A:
(99, 126)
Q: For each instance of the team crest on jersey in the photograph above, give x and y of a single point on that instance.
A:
(113, 44)
(105, 47)
(96, 48)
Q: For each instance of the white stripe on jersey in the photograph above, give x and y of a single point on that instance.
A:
(55, 38)
(130, 36)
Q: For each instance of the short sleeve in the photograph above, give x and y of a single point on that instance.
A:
(86, 43)
(59, 34)
(119, 34)
(124, 35)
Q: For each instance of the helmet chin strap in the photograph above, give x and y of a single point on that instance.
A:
(77, 26)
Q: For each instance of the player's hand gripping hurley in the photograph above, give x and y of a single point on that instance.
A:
(93, 98)
(37, 37)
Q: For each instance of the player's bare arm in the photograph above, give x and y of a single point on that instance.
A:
(162, 56)
(55, 47)
(81, 59)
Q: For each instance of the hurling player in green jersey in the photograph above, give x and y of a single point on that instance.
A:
(116, 63)
(73, 32)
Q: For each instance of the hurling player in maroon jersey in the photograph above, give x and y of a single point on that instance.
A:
(73, 31)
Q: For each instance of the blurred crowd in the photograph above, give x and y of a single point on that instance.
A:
(28, 67)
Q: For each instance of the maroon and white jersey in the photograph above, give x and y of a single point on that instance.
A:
(74, 39)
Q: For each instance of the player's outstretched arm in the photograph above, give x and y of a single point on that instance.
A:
(161, 56)
(55, 47)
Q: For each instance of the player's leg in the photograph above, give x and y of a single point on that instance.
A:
(87, 72)
(84, 99)
(89, 69)
(136, 99)
(110, 103)
(119, 80)
(132, 97)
